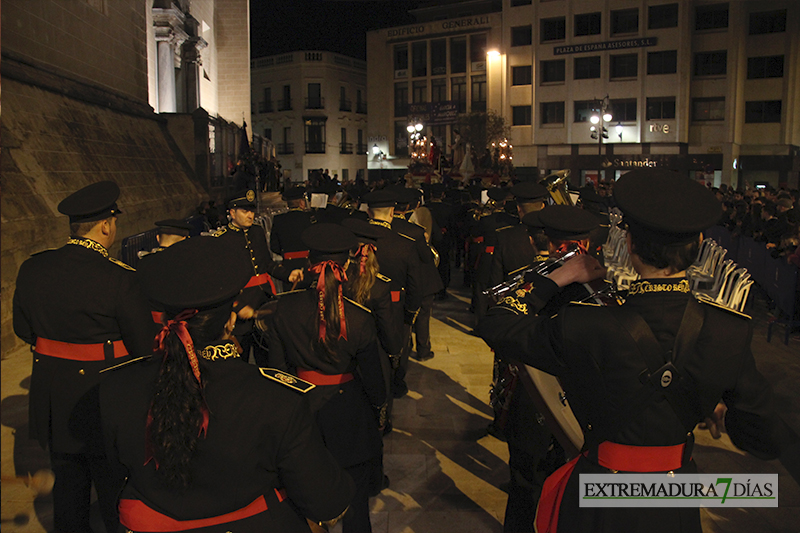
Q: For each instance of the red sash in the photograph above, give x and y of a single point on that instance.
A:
(302, 254)
(78, 352)
(610, 455)
(138, 516)
(261, 279)
(318, 378)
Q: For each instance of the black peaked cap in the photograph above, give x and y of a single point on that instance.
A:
(173, 226)
(244, 199)
(566, 222)
(380, 198)
(363, 230)
(294, 193)
(498, 194)
(91, 203)
(528, 191)
(326, 238)
(199, 273)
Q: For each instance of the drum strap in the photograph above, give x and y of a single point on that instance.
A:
(661, 377)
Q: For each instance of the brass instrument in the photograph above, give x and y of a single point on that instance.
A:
(543, 268)
(436, 258)
(557, 185)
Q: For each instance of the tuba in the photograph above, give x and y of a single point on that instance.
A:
(557, 185)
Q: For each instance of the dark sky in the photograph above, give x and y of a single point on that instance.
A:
(339, 26)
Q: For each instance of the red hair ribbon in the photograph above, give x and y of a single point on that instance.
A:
(363, 251)
(177, 326)
(341, 276)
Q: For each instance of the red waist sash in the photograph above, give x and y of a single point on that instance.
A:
(78, 352)
(261, 279)
(302, 254)
(610, 455)
(138, 516)
(318, 378)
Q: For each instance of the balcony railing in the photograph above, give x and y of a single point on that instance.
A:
(315, 148)
(285, 104)
(265, 107)
(285, 148)
(315, 103)
(345, 148)
(361, 107)
(362, 149)
(345, 105)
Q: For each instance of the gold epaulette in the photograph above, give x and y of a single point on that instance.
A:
(357, 304)
(407, 237)
(287, 380)
(120, 263)
(703, 299)
(219, 231)
(383, 278)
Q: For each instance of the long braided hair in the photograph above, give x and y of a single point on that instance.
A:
(330, 318)
(363, 277)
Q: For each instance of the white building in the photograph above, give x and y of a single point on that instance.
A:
(313, 106)
(702, 87)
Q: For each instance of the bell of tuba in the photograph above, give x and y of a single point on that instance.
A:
(557, 185)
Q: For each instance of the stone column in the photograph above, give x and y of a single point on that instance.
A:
(170, 35)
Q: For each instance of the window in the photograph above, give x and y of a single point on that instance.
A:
(587, 67)
(625, 66)
(515, 3)
(361, 105)
(624, 110)
(554, 29)
(662, 62)
(400, 99)
(458, 55)
(521, 75)
(711, 63)
(477, 47)
(521, 115)
(661, 108)
(587, 24)
(521, 35)
(439, 57)
(315, 135)
(552, 70)
(361, 148)
(458, 87)
(286, 103)
(268, 133)
(584, 110)
(552, 112)
(663, 16)
(708, 109)
(479, 93)
(315, 100)
(768, 22)
(400, 138)
(266, 105)
(344, 103)
(764, 67)
(762, 111)
(419, 57)
(711, 17)
(345, 147)
(420, 92)
(400, 57)
(624, 21)
(345, 175)
(439, 90)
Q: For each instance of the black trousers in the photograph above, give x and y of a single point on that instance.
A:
(422, 327)
(365, 475)
(75, 473)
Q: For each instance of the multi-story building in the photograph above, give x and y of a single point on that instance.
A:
(313, 106)
(703, 87)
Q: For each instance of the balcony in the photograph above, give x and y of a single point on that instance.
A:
(285, 148)
(285, 104)
(315, 103)
(361, 107)
(315, 147)
(265, 107)
(362, 149)
(345, 148)
(345, 105)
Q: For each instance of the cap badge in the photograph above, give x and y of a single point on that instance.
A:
(251, 195)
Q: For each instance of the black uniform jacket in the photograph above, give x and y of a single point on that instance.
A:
(285, 236)
(399, 261)
(431, 281)
(272, 444)
(346, 413)
(443, 215)
(599, 365)
(76, 294)
(388, 316)
(512, 252)
(255, 241)
(487, 231)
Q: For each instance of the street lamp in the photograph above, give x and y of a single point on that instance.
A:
(600, 116)
(619, 130)
(375, 149)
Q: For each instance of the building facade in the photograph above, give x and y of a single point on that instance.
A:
(312, 105)
(703, 87)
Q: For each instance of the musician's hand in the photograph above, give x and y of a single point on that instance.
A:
(246, 312)
(579, 269)
(296, 275)
(715, 424)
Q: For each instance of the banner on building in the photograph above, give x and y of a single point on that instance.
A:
(608, 45)
(434, 113)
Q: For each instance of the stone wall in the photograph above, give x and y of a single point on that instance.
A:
(53, 145)
(233, 60)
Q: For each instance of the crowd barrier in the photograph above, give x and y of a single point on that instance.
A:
(774, 276)
(146, 241)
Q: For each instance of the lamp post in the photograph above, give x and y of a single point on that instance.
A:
(599, 118)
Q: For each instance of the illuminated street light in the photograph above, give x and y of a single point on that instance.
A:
(375, 149)
(410, 128)
(419, 126)
(594, 119)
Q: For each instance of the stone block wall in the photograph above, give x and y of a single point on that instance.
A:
(52, 146)
(233, 60)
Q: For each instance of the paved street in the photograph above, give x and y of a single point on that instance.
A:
(446, 473)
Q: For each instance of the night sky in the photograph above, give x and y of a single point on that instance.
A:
(283, 26)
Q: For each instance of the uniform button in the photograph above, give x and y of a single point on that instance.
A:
(81, 372)
(36, 360)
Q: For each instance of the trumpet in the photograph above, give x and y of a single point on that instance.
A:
(542, 268)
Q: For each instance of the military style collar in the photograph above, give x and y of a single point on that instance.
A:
(380, 223)
(90, 244)
(234, 227)
(673, 285)
(219, 351)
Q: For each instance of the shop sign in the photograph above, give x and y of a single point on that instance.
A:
(435, 113)
(608, 45)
